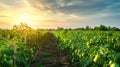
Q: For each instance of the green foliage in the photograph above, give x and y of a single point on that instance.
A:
(19, 46)
(104, 28)
(86, 48)
(91, 48)
(45, 54)
(40, 64)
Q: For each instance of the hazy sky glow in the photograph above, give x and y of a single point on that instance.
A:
(60, 13)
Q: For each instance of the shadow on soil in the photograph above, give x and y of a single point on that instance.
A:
(49, 55)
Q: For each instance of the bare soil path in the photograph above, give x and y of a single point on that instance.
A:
(50, 55)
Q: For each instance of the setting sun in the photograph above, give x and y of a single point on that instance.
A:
(23, 18)
(59, 33)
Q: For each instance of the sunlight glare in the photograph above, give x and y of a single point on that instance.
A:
(23, 18)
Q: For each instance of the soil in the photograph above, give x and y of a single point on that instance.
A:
(49, 55)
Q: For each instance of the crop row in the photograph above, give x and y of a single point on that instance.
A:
(91, 48)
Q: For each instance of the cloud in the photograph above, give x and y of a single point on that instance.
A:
(66, 13)
(78, 7)
(12, 3)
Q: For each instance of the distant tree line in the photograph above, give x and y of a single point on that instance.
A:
(104, 28)
(24, 26)
(100, 27)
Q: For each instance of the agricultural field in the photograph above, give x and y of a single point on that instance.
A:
(91, 48)
(25, 47)
(59, 33)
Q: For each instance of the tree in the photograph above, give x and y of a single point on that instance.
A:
(87, 28)
(60, 28)
(101, 27)
(109, 27)
(115, 29)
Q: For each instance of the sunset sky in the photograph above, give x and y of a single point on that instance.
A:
(60, 13)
